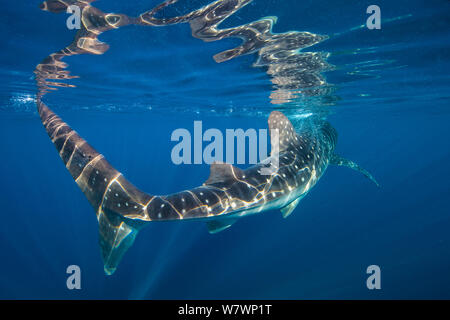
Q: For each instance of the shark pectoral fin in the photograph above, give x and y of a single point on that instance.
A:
(339, 161)
(286, 211)
(215, 226)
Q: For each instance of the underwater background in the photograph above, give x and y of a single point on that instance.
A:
(385, 91)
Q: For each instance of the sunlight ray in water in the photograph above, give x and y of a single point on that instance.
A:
(160, 263)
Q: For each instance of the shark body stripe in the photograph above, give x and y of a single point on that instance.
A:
(122, 209)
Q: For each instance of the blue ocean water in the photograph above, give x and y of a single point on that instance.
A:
(385, 91)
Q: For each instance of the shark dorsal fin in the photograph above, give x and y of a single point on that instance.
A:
(220, 172)
(282, 132)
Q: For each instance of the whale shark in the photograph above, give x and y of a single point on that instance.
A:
(228, 194)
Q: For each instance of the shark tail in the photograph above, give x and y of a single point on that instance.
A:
(116, 236)
(339, 161)
(120, 207)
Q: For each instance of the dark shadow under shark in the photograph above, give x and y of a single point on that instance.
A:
(229, 193)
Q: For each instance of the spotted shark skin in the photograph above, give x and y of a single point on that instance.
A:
(228, 194)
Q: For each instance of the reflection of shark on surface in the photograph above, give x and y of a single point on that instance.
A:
(228, 194)
(294, 72)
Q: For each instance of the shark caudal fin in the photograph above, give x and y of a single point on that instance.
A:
(115, 237)
(120, 207)
(339, 161)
